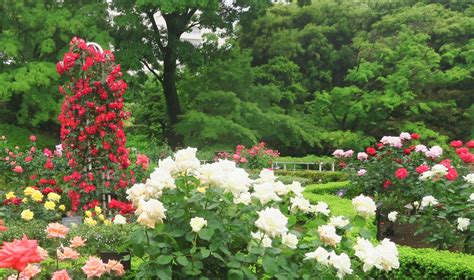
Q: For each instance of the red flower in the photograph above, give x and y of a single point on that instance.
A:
(33, 138)
(452, 174)
(467, 157)
(456, 143)
(371, 151)
(462, 151)
(415, 136)
(387, 183)
(28, 159)
(46, 191)
(18, 169)
(49, 165)
(407, 151)
(19, 253)
(401, 173)
(422, 169)
(470, 144)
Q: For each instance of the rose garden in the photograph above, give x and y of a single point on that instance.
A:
(98, 199)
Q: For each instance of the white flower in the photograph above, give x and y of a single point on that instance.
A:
(320, 255)
(301, 204)
(150, 212)
(338, 153)
(120, 220)
(469, 178)
(392, 216)
(439, 169)
(321, 208)
(365, 251)
(142, 191)
(421, 148)
(426, 175)
(362, 156)
(265, 192)
(280, 188)
(186, 160)
(290, 240)
(226, 175)
(266, 175)
(463, 223)
(428, 201)
(416, 204)
(393, 141)
(471, 197)
(296, 188)
(272, 222)
(340, 262)
(197, 223)
(167, 164)
(160, 179)
(434, 152)
(405, 136)
(327, 234)
(384, 256)
(364, 206)
(244, 198)
(388, 253)
(338, 221)
(361, 172)
(259, 236)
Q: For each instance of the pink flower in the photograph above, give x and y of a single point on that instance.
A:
(362, 156)
(42, 252)
(33, 138)
(19, 253)
(67, 253)
(401, 173)
(30, 271)
(116, 267)
(18, 169)
(338, 153)
(93, 267)
(422, 169)
(77, 242)
(361, 172)
(348, 153)
(452, 174)
(56, 230)
(61, 275)
(243, 160)
(456, 144)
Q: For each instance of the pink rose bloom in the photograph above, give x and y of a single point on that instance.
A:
(67, 253)
(405, 136)
(115, 267)
(33, 149)
(32, 138)
(236, 157)
(43, 253)
(348, 153)
(18, 169)
(30, 271)
(243, 160)
(434, 152)
(94, 267)
(361, 172)
(338, 153)
(421, 148)
(362, 156)
(56, 230)
(77, 242)
(61, 275)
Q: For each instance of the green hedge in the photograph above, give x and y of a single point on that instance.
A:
(315, 177)
(425, 263)
(327, 188)
(306, 159)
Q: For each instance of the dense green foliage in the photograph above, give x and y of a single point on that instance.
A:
(315, 177)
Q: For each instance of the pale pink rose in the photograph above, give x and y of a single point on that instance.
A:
(362, 156)
(77, 242)
(361, 172)
(61, 275)
(348, 153)
(93, 267)
(115, 267)
(30, 271)
(42, 252)
(67, 253)
(56, 230)
(338, 153)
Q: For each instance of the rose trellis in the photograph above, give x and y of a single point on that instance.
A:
(92, 119)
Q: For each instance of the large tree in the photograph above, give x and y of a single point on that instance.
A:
(144, 43)
(33, 36)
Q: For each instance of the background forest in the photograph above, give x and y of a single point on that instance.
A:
(305, 78)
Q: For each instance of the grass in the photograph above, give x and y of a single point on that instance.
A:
(327, 188)
(18, 136)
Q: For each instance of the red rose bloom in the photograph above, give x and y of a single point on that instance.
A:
(456, 144)
(422, 169)
(387, 183)
(19, 253)
(371, 151)
(470, 144)
(415, 136)
(49, 165)
(467, 157)
(401, 173)
(452, 174)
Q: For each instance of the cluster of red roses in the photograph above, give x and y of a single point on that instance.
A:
(463, 151)
(257, 157)
(92, 119)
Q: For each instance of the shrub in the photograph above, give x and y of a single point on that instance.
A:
(315, 177)
(327, 188)
(308, 158)
(428, 263)
(290, 179)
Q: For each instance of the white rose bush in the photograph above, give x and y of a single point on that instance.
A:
(214, 221)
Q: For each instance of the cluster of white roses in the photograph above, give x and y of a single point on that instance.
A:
(437, 171)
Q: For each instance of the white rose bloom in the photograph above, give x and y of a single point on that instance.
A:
(428, 201)
(340, 262)
(120, 220)
(328, 235)
(416, 204)
(392, 216)
(280, 188)
(434, 152)
(388, 253)
(290, 240)
(463, 223)
(167, 164)
(296, 188)
(266, 241)
(272, 222)
(364, 206)
(421, 148)
(405, 136)
(266, 175)
(141, 191)
(244, 198)
(321, 208)
(265, 192)
(471, 197)
(338, 221)
(426, 175)
(160, 179)
(150, 212)
(226, 175)
(320, 255)
(366, 252)
(300, 203)
(186, 160)
(439, 169)
(469, 178)
(197, 223)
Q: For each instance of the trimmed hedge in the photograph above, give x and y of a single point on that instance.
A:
(426, 263)
(315, 177)
(327, 188)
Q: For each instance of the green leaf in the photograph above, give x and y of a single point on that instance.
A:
(164, 273)
(270, 265)
(164, 259)
(206, 233)
(182, 260)
(235, 274)
(205, 253)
